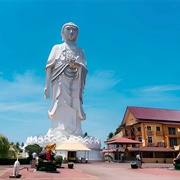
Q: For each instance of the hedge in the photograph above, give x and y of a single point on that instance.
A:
(7, 161)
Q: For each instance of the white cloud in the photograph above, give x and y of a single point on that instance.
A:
(102, 81)
(22, 87)
(15, 119)
(160, 94)
(162, 88)
(24, 93)
(100, 89)
(23, 106)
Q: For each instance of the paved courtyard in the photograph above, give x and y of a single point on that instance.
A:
(98, 171)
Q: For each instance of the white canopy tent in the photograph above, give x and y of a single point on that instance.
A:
(72, 146)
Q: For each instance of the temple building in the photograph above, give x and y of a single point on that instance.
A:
(157, 130)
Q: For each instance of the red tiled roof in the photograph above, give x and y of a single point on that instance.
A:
(120, 149)
(152, 149)
(155, 113)
(122, 141)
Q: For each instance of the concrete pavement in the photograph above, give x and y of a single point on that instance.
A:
(99, 171)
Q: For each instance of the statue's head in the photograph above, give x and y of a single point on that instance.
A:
(69, 32)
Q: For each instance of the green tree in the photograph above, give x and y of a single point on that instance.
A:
(17, 145)
(33, 148)
(4, 146)
(117, 130)
(85, 134)
(110, 135)
(12, 143)
(22, 144)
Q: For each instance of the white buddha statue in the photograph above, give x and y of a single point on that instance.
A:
(66, 70)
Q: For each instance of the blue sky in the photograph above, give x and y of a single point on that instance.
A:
(132, 53)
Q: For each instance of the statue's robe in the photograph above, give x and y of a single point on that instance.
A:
(66, 109)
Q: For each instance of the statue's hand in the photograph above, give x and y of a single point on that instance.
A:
(71, 63)
(46, 92)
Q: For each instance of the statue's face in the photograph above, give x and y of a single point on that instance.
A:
(70, 33)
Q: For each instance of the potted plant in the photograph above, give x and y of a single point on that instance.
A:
(70, 165)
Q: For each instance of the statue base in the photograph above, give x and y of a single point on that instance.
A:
(90, 142)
